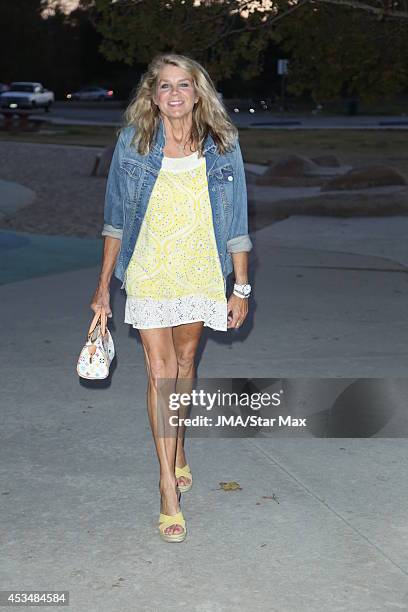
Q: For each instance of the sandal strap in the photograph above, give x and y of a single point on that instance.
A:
(183, 471)
(166, 520)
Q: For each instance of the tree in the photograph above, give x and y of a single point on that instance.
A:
(333, 49)
(214, 34)
(337, 50)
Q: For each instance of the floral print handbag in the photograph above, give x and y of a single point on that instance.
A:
(97, 354)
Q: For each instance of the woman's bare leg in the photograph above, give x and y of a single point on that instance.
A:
(161, 362)
(186, 338)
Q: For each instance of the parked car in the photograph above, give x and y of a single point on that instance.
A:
(91, 93)
(27, 94)
(251, 105)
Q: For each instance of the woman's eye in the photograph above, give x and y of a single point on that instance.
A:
(182, 84)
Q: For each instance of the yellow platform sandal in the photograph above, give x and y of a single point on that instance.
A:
(167, 520)
(186, 472)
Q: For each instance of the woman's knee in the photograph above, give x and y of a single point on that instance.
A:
(186, 359)
(162, 367)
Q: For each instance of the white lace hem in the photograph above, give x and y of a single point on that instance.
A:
(147, 313)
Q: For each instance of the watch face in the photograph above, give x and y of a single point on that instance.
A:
(246, 289)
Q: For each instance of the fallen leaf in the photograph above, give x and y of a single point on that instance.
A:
(230, 486)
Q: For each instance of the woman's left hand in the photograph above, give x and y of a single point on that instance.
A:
(237, 311)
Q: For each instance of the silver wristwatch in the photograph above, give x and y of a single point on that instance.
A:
(242, 291)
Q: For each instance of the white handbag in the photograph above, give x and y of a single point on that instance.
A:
(97, 354)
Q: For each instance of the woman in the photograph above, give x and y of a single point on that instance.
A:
(175, 225)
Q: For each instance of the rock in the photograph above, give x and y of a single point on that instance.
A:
(103, 162)
(296, 170)
(330, 161)
(293, 165)
(289, 170)
(364, 178)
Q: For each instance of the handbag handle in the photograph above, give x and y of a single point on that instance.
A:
(103, 317)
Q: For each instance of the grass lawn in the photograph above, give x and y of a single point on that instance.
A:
(354, 147)
(83, 135)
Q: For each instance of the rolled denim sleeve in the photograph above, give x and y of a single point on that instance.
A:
(238, 238)
(114, 194)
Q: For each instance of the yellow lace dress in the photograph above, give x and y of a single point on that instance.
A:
(174, 275)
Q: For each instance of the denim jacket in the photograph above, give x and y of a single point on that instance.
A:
(130, 183)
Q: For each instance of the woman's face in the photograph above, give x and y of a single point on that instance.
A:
(175, 93)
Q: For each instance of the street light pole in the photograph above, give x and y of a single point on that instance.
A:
(282, 71)
(283, 93)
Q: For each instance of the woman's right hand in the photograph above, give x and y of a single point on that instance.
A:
(101, 299)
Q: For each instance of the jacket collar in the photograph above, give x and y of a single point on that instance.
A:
(209, 144)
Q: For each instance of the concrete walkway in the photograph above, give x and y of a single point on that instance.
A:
(25, 255)
(13, 197)
(320, 524)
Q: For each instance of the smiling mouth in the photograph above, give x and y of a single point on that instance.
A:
(178, 103)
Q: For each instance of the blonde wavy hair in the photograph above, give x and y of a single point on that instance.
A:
(209, 114)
